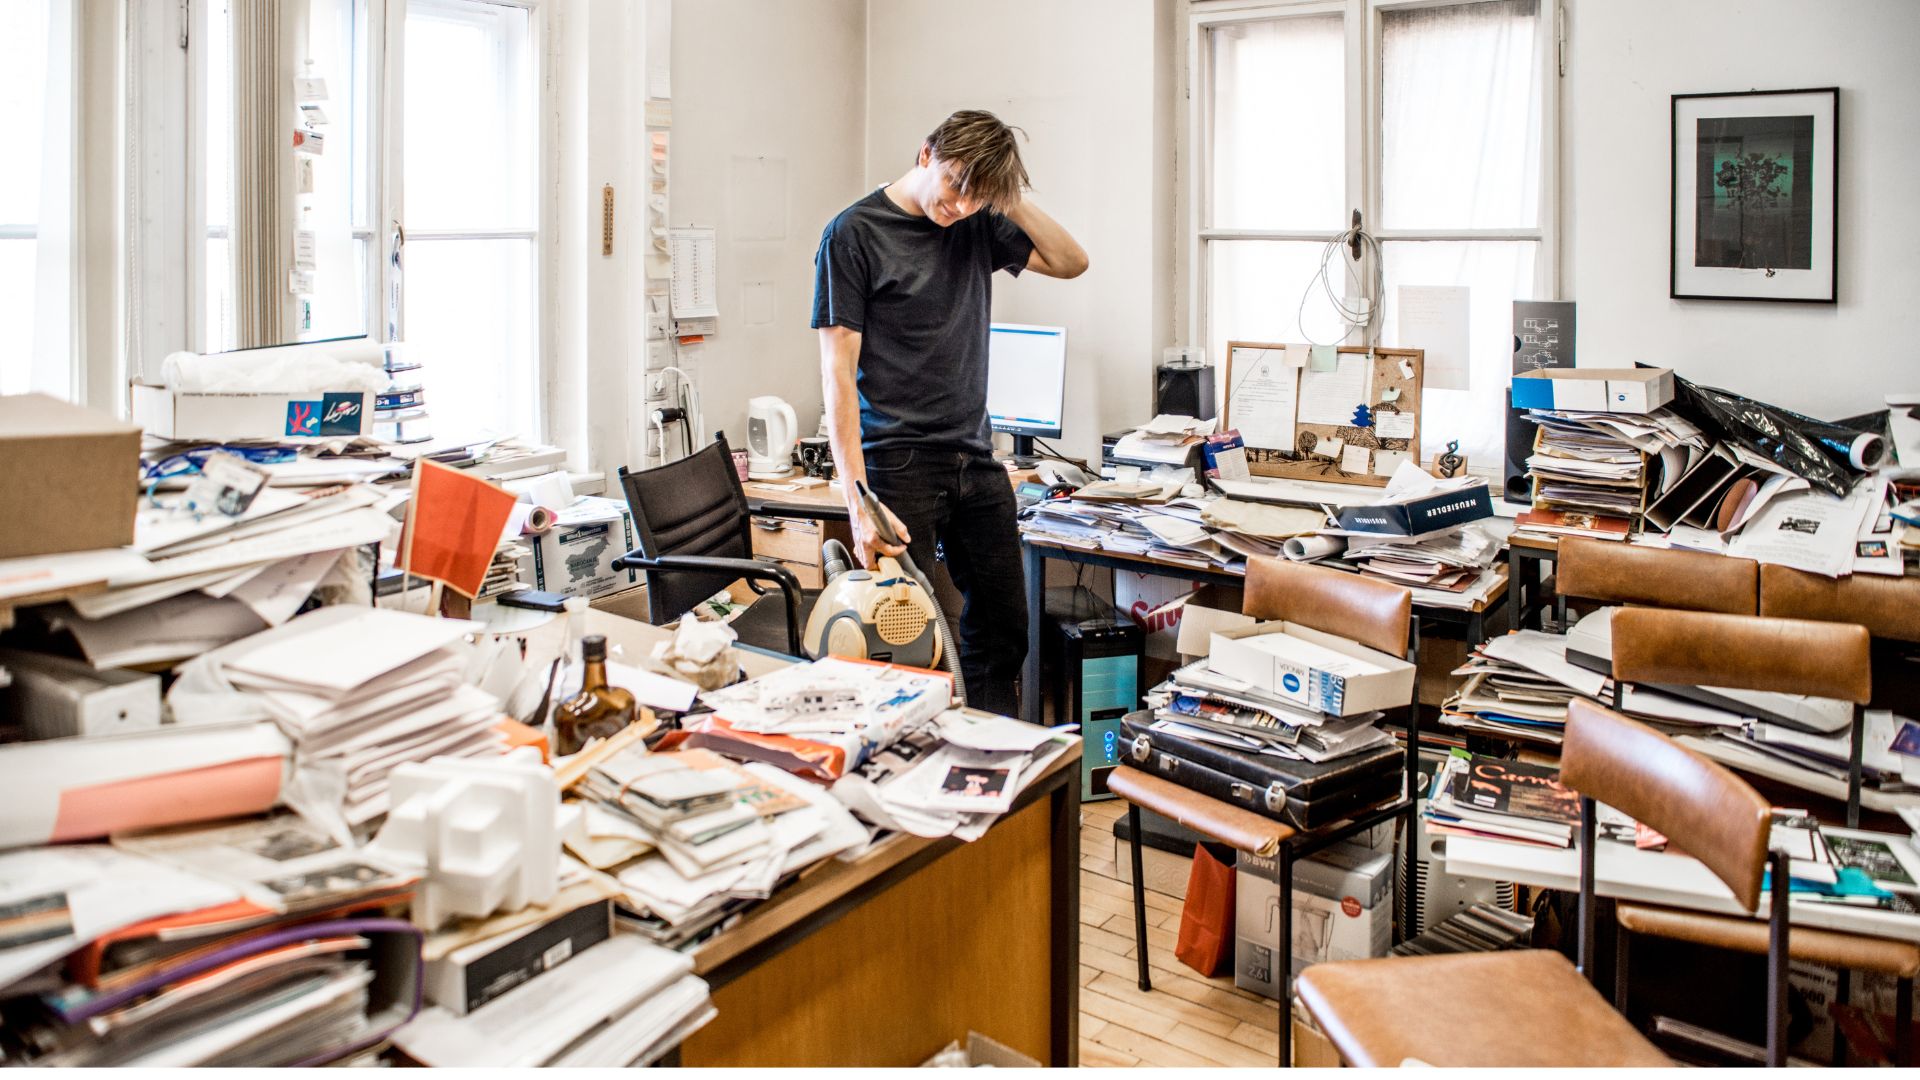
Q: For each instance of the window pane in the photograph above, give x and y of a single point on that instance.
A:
(470, 102)
(16, 316)
(1253, 294)
(1279, 124)
(1496, 273)
(23, 80)
(1460, 116)
(469, 319)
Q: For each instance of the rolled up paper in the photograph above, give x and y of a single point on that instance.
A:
(1305, 548)
(529, 519)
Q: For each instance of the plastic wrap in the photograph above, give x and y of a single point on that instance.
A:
(1829, 456)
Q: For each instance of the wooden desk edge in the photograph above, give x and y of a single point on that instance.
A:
(831, 881)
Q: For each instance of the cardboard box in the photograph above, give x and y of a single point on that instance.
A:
(577, 560)
(57, 698)
(980, 1052)
(1417, 516)
(1342, 910)
(71, 480)
(1142, 596)
(1621, 390)
(1202, 613)
(1306, 670)
(331, 414)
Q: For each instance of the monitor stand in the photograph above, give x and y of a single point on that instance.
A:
(1023, 452)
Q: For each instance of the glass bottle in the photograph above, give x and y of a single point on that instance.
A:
(598, 710)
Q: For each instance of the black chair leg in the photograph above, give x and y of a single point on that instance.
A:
(1139, 894)
(1777, 961)
(1283, 955)
(1620, 949)
(1903, 1023)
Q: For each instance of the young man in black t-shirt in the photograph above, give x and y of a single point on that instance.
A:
(902, 292)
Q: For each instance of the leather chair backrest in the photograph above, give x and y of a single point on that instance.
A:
(1699, 805)
(1698, 648)
(1618, 573)
(1374, 613)
(1889, 607)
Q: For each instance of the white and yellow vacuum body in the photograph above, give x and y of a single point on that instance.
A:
(880, 614)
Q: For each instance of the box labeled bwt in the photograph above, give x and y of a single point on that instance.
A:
(1342, 910)
(576, 559)
(1621, 390)
(1311, 669)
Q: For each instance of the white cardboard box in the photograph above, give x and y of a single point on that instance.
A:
(1302, 665)
(1342, 910)
(1207, 610)
(332, 414)
(577, 559)
(1621, 390)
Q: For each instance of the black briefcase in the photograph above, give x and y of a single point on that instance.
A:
(1303, 794)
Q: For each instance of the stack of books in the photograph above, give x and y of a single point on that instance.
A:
(1478, 796)
(1582, 467)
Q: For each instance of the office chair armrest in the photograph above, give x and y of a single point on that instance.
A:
(750, 569)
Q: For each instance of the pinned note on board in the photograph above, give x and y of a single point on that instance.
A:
(1391, 393)
(1386, 461)
(1406, 369)
(1355, 459)
(1324, 358)
(1330, 447)
(1393, 425)
(1296, 356)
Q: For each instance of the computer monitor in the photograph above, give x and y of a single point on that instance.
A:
(1026, 382)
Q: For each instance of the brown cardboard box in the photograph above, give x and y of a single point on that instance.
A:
(69, 477)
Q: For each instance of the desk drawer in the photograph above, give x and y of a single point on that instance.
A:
(791, 540)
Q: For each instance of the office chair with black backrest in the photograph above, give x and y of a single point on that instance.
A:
(694, 527)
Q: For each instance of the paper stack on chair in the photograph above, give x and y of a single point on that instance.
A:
(954, 777)
(1475, 795)
(1219, 709)
(358, 691)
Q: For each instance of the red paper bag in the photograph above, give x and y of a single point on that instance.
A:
(1206, 923)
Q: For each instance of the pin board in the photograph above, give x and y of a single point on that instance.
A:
(1348, 414)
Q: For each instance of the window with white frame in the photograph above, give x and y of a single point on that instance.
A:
(1433, 120)
(36, 197)
(460, 170)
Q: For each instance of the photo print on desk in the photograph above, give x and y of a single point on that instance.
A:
(1755, 182)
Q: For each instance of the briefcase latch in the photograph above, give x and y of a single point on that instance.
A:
(1142, 748)
(1276, 799)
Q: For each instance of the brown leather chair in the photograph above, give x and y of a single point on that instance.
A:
(1789, 656)
(1617, 573)
(1889, 607)
(1374, 613)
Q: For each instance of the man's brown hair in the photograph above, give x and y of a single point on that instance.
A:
(983, 156)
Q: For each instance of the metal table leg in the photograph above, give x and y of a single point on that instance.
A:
(1035, 565)
(1139, 894)
(1283, 954)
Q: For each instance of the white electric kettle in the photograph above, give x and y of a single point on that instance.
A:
(772, 430)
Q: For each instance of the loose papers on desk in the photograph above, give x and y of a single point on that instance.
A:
(951, 778)
(820, 719)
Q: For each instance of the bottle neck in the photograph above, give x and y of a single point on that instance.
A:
(594, 677)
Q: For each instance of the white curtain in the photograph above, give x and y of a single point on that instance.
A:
(267, 42)
(53, 367)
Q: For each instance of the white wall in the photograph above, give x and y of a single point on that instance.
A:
(775, 80)
(1090, 82)
(1625, 57)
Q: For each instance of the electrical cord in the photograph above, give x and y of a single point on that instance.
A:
(1050, 452)
(1352, 317)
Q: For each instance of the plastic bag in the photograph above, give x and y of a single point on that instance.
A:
(1829, 456)
(1206, 923)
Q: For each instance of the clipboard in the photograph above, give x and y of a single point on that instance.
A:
(1288, 428)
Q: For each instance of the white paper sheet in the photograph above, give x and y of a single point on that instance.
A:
(1810, 530)
(342, 653)
(1264, 398)
(1433, 318)
(1330, 397)
(277, 592)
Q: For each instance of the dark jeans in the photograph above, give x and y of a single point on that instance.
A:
(963, 501)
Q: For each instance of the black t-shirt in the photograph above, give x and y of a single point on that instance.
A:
(919, 294)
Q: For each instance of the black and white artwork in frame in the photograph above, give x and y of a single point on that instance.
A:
(1755, 194)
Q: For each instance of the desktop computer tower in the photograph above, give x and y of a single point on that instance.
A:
(1090, 656)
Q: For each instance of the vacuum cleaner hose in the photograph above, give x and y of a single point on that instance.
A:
(834, 560)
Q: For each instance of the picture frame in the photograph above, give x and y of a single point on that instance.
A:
(1755, 196)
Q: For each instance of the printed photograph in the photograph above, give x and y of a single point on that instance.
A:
(1754, 191)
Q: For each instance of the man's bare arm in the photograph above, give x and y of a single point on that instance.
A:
(839, 357)
(1055, 252)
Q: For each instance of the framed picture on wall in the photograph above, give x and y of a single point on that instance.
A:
(1755, 189)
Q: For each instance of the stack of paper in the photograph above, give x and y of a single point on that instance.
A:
(1165, 440)
(1458, 560)
(1251, 719)
(954, 777)
(358, 691)
(820, 719)
(195, 581)
(1475, 795)
(624, 1002)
